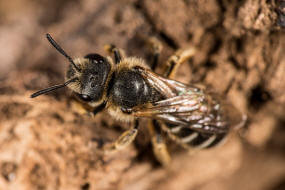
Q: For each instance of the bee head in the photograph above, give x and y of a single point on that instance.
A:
(93, 77)
(87, 76)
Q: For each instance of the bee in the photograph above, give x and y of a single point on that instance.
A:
(130, 89)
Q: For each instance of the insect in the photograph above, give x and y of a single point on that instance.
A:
(129, 89)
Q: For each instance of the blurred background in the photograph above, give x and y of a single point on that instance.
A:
(45, 144)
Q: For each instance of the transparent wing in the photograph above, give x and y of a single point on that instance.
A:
(189, 106)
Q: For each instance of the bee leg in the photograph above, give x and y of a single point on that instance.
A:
(175, 60)
(99, 108)
(79, 108)
(155, 47)
(158, 143)
(124, 140)
(82, 109)
(118, 53)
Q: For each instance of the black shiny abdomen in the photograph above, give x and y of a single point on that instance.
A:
(130, 89)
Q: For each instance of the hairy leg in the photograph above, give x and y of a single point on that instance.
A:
(124, 140)
(158, 143)
(84, 109)
(119, 54)
(176, 60)
(155, 46)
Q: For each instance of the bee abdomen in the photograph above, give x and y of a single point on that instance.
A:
(190, 138)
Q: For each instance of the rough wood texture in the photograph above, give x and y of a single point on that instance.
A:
(45, 144)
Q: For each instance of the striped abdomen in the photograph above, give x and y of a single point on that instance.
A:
(190, 138)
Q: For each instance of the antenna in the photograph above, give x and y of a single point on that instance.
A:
(52, 88)
(60, 50)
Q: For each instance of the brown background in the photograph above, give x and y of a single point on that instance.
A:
(45, 144)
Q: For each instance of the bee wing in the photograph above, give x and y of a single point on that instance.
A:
(188, 106)
(185, 110)
(168, 88)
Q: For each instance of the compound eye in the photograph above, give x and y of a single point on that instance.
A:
(84, 97)
(95, 58)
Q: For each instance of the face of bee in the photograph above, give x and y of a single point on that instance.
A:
(87, 77)
(94, 71)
